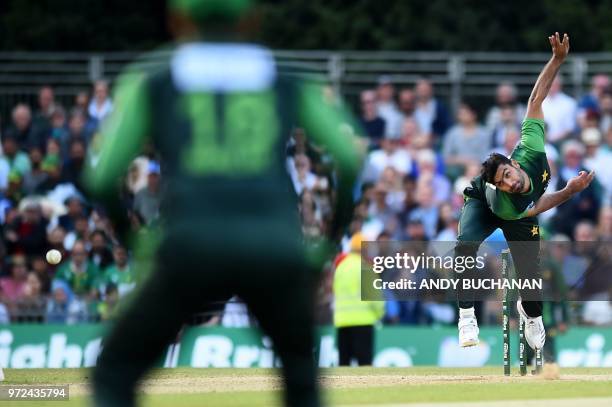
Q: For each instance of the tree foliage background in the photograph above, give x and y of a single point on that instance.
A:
(458, 25)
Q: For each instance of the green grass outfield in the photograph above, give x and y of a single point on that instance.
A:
(184, 387)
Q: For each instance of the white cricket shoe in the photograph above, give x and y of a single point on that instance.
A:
(535, 334)
(468, 331)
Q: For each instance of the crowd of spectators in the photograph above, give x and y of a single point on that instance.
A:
(420, 157)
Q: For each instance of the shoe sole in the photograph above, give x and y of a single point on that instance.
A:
(469, 344)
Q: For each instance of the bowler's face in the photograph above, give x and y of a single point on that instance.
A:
(509, 179)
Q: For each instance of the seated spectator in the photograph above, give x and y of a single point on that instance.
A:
(78, 271)
(147, 200)
(43, 273)
(599, 159)
(46, 105)
(391, 181)
(427, 212)
(5, 170)
(106, 308)
(100, 253)
(120, 274)
(20, 130)
(426, 169)
(407, 103)
(507, 120)
(387, 108)
(605, 124)
(592, 100)
(582, 206)
(101, 105)
(507, 109)
(74, 204)
(462, 182)
(604, 226)
(81, 232)
(59, 129)
(431, 114)
(510, 136)
(311, 217)
(448, 224)
(56, 238)
(16, 159)
(299, 144)
(412, 137)
(52, 167)
(12, 287)
(466, 142)
(59, 304)
(78, 127)
(27, 233)
(391, 154)
(372, 123)
(36, 177)
(74, 165)
(137, 174)
(559, 113)
(32, 306)
(303, 178)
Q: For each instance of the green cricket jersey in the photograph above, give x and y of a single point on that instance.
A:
(220, 116)
(531, 156)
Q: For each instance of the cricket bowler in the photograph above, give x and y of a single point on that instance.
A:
(219, 113)
(509, 194)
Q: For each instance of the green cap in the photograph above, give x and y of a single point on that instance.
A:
(202, 10)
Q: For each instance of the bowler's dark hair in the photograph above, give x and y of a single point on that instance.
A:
(490, 165)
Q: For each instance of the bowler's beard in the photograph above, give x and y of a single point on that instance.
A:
(521, 182)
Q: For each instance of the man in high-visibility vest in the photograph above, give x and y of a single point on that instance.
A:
(354, 319)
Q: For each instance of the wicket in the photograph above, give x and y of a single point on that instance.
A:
(505, 256)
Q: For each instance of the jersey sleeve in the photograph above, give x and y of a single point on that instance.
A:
(122, 135)
(501, 205)
(532, 135)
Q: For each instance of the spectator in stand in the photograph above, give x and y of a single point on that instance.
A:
(46, 105)
(412, 137)
(147, 200)
(606, 111)
(599, 159)
(582, 206)
(100, 253)
(27, 233)
(391, 154)
(431, 114)
(52, 167)
(21, 129)
(507, 109)
(31, 307)
(74, 165)
(101, 105)
(604, 226)
(372, 123)
(56, 238)
(120, 274)
(506, 120)
(74, 204)
(12, 287)
(16, 159)
(77, 128)
(592, 100)
(559, 113)
(427, 212)
(448, 224)
(58, 128)
(510, 136)
(81, 232)
(387, 108)
(78, 271)
(426, 169)
(81, 104)
(41, 268)
(36, 177)
(59, 304)
(299, 144)
(407, 103)
(466, 142)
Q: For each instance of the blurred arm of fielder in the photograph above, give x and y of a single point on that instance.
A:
(123, 136)
(560, 49)
(333, 127)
